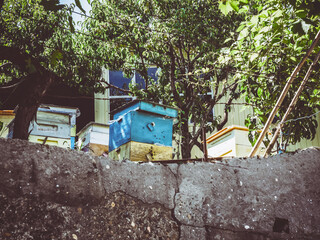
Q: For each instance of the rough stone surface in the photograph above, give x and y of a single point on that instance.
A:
(251, 194)
(148, 182)
(116, 216)
(53, 193)
(52, 172)
(192, 233)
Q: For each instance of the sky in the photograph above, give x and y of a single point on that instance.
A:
(85, 5)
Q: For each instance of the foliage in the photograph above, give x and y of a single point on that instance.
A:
(45, 35)
(270, 43)
(182, 39)
(38, 48)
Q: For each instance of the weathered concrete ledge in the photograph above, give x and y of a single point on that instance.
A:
(53, 193)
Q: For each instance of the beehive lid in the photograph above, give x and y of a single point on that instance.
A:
(225, 131)
(138, 105)
(95, 127)
(59, 109)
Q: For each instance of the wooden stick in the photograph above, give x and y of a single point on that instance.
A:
(205, 150)
(282, 96)
(292, 105)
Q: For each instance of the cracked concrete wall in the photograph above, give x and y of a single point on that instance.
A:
(97, 198)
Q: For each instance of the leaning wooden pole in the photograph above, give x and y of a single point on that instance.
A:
(292, 105)
(282, 96)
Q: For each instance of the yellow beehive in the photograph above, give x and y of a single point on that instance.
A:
(52, 141)
(141, 152)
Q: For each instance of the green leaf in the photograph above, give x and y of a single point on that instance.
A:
(275, 40)
(227, 40)
(277, 13)
(79, 6)
(265, 29)
(301, 13)
(234, 5)
(253, 56)
(244, 33)
(264, 14)
(55, 56)
(305, 26)
(225, 7)
(259, 92)
(258, 37)
(254, 20)
(258, 111)
(293, 58)
(240, 27)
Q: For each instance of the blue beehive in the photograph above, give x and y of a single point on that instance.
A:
(144, 122)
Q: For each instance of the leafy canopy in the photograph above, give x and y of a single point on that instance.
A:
(270, 43)
(42, 30)
(39, 48)
(182, 39)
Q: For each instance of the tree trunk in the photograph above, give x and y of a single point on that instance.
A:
(30, 94)
(185, 142)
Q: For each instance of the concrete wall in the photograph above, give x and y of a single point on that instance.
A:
(52, 193)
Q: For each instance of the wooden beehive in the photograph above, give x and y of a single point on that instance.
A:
(52, 141)
(53, 125)
(141, 152)
(144, 122)
(231, 141)
(142, 130)
(94, 137)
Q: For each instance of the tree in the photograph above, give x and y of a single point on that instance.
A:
(182, 39)
(272, 40)
(38, 49)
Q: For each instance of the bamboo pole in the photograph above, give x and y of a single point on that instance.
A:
(282, 96)
(292, 105)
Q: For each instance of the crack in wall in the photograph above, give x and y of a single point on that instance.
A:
(176, 191)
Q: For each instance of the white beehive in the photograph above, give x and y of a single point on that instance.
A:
(94, 137)
(231, 141)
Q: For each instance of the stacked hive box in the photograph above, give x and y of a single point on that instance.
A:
(94, 137)
(142, 131)
(53, 125)
(231, 141)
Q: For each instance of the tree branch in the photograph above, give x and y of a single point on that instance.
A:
(196, 57)
(172, 76)
(226, 112)
(16, 83)
(109, 85)
(145, 71)
(23, 60)
(198, 144)
(5, 65)
(181, 53)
